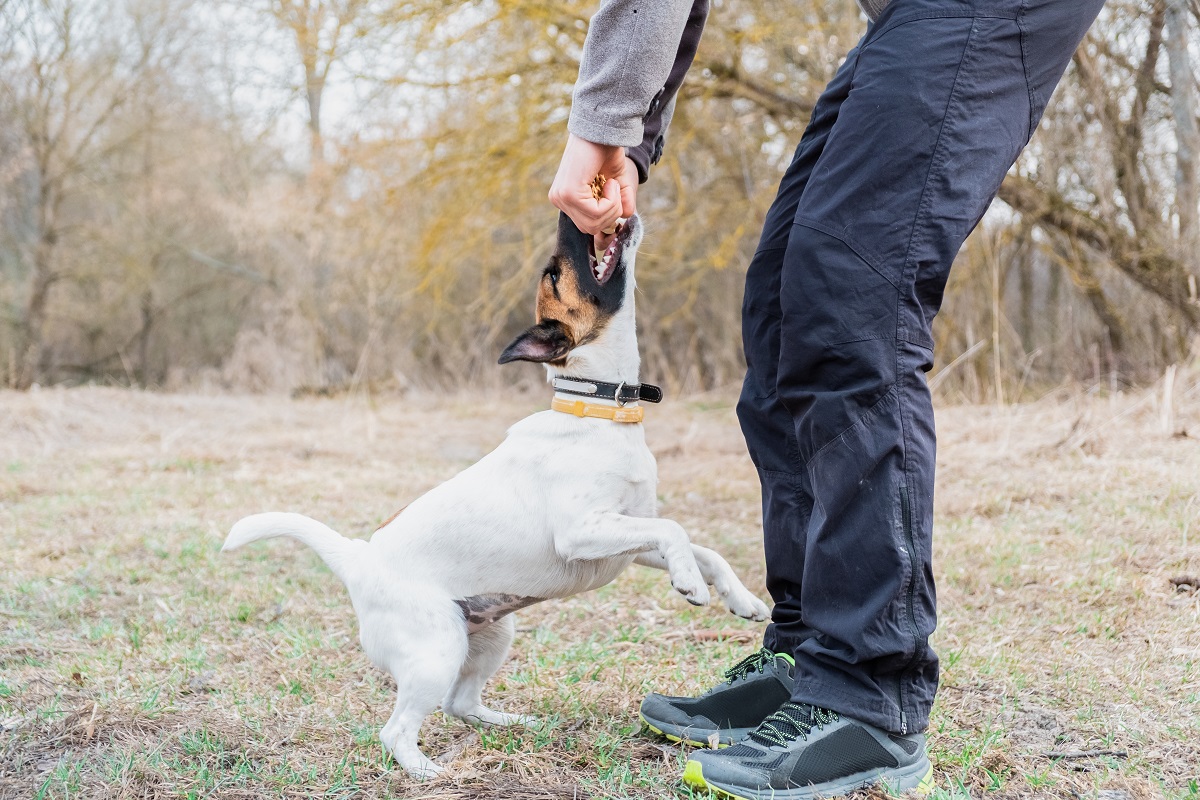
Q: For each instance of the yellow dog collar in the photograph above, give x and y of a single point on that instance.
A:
(581, 409)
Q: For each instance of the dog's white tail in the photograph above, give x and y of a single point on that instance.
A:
(334, 549)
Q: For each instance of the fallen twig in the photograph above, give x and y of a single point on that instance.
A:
(1070, 754)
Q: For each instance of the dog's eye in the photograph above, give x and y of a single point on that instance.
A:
(552, 273)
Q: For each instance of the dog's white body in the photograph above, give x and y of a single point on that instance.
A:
(562, 506)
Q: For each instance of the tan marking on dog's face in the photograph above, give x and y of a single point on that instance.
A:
(577, 295)
(560, 298)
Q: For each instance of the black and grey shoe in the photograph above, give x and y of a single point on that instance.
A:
(754, 688)
(802, 752)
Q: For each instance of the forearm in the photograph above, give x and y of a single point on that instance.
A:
(629, 56)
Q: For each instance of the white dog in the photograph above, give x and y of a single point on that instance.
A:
(562, 506)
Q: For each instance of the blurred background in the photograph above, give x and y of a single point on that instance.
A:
(310, 196)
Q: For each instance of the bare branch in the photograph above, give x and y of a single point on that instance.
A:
(1148, 266)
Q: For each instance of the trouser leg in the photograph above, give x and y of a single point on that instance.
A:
(766, 424)
(941, 98)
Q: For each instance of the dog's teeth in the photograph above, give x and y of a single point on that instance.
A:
(607, 257)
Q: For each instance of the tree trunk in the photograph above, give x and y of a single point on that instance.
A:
(1187, 135)
(314, 88)
(143, 344)
(1025, 286)
(34, 318)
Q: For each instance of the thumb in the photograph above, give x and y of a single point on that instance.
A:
(629, 199)
(629, 188)
(610, 204)
(613, 193)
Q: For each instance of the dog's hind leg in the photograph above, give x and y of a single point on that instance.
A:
(719, 575)
(423, 645)
(486, 651)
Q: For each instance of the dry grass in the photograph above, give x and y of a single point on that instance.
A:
(135, 661)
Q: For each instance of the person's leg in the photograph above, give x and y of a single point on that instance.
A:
(761, 683)
(943, 97)
(766, 423)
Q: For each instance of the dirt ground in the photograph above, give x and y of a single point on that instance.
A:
(138, 661)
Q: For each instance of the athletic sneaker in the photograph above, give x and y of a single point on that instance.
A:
(754, 688)
(802, 752)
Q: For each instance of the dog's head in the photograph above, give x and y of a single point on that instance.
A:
(579, 294)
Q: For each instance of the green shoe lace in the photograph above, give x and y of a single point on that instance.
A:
(792, 721)
(754, 663)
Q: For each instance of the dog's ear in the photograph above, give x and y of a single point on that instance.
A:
(546, 341)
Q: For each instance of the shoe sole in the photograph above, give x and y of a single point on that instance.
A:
(673, 733)
(918, 777)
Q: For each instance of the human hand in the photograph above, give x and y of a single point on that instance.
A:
(572, 191)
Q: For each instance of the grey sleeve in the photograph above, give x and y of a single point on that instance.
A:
(662, 106)
(630, 48)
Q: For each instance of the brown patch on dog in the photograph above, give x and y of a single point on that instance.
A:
(564, 301)
(483, 609)
(390, 519)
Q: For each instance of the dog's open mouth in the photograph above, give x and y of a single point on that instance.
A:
(604, 266)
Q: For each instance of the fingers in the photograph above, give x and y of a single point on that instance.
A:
(589, 214)
(571, 191)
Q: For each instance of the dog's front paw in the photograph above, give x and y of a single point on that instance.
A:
(692, 588)
(747, 606)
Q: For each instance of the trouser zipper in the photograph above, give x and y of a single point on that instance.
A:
(910, 549)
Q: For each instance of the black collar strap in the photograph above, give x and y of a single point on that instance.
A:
(622, 393)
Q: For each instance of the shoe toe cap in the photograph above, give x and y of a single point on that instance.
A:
(663, 709)
(727, 770)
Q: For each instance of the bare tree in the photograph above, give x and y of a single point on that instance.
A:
(1111, 200)
(69, 78)
(1187, 135)
(323, 31)
(152, 221)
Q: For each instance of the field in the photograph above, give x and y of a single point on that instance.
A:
(138, 661)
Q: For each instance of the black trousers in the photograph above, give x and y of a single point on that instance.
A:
(905, 150)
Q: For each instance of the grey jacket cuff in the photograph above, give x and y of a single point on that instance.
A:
(602, 128)
(630, 48)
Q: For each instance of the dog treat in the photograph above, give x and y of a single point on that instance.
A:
(597, 186)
